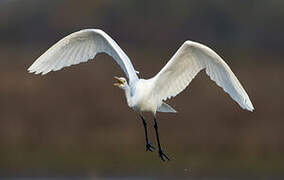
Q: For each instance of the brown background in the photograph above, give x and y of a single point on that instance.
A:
(75, 123)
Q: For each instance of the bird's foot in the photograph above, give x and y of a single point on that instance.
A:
(163, 156)
(150, 147)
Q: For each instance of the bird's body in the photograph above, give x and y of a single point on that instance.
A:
(145, 94)
(141, 98)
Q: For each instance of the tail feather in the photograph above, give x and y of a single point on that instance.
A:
(166, 108)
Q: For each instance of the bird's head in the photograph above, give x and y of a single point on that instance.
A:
(121, 82)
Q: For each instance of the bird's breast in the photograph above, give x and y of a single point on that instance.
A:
(142, 99)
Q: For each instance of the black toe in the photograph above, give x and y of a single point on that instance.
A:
(150, 147)
(163, 156)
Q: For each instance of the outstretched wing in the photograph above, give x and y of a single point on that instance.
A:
(191, 58)
(80, 47)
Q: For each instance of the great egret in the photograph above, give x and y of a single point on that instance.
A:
(145, 94)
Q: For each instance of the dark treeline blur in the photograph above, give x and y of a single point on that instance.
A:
(238, 24)
(74, 122)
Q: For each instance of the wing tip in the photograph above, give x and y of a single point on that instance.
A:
(249, 106)
(33, 71)
(30, 70)
(251, 109)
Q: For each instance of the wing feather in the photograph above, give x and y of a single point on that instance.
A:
(80, 47)
(190, 59)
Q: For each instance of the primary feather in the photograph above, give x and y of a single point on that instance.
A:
(191, 58)
(80, 47)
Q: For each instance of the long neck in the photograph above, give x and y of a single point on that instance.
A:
(127, 95)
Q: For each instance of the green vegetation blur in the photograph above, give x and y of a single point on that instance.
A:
(74, 122)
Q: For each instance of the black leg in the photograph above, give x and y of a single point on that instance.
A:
(161, 154)
(149, 146)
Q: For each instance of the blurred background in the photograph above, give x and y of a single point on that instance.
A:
(75, 123)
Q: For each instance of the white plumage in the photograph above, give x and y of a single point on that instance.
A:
(191, 58)
(80, 47)
(145, 94)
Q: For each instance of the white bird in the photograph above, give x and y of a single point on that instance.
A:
(145, 94)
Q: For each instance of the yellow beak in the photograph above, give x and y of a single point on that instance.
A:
(119, 81)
